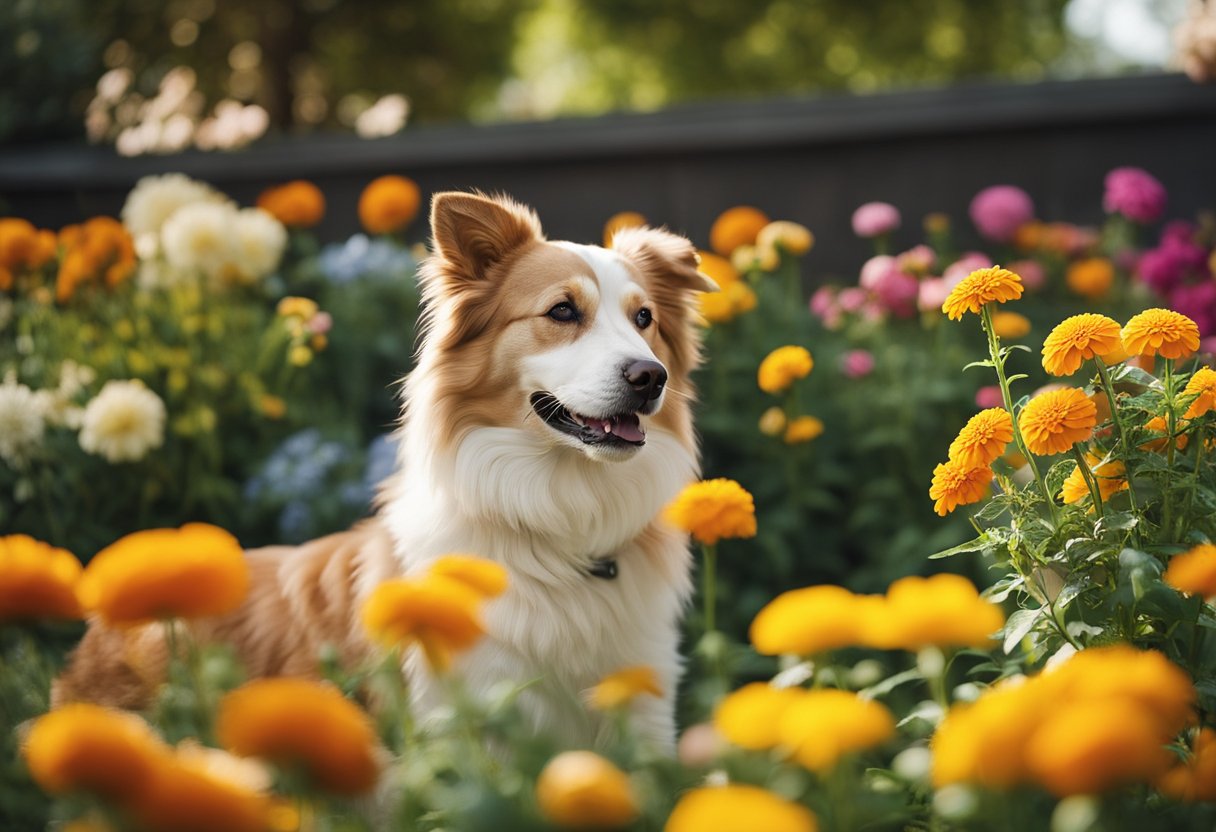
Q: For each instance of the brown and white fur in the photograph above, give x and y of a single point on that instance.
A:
(481, 471)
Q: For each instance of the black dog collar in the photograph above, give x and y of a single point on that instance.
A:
(603, 568)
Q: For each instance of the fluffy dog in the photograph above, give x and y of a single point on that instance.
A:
(545, 426)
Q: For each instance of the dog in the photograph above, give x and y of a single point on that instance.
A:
(547, 422)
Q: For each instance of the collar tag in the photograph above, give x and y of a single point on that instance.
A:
(603, 568)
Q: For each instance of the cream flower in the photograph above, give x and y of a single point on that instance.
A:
(259, 243)
(124, 422)
(200, 237)
(22, 423)
(155, 199)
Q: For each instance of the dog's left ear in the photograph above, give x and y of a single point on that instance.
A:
(474, 233)
(667, 256)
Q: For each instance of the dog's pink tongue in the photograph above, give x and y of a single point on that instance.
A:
(629, 429)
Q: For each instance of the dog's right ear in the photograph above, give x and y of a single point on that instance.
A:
(473, 232)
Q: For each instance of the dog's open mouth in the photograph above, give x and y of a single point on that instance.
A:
(620, 429)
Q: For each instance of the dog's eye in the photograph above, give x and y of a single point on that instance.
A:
(563, 312)
(643, 318)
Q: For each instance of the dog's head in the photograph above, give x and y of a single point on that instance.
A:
(587, 348)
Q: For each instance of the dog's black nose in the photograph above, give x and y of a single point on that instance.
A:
(647, 378)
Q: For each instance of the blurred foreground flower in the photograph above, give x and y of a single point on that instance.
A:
(582, 790)
(37, 580)
(623, 686)
(1193, 571)
(942, 610)
(439, 614)
(738, 808)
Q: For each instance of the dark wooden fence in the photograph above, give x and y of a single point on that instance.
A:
(811, 160)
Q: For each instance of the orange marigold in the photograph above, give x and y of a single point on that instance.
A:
(713, 509)
(297, 204)
(99, 250)
(203, 789)
(1010, 325)
(944, 610)
(1196, 778)
(1109, 476)
(389, 204)
(623, 686)
(738, 226)
(782, 367)
(1161, 331)
(37, 580)
(749, 716)
(980, 288)
(719, 268)
(803, 429)
(1194, 571)
(738, 808)
(983, 438)
(1053, 422)
(618, 222)
(1079, 338)
(1202, 385)
(1091, 278)
(1158, 424)
(823, 726)
(485, 577)
(956, 484)
(813, 619)
(582, 790)
(441, 615)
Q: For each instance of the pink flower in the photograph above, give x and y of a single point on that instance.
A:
(965, 265)
(999, 211)
(897, 293)
(1208, 345)
(875, 269)
(857, 363)
(1197, 302)
(918, 259)
(933, 293)
(1135, 193)
(321, 323)
(852, 298)
(1164, 267)
(1032, 273)
(1178, 231)
(989, 396)
(875, 219)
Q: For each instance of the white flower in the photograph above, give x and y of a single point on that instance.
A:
(124, 422)
(156, 198)
(22, 424)
(260, 240)
(201, 238)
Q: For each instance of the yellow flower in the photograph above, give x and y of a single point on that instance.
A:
(1109, 476)
(1202, 385)
(713, 509)
(980, 288)
(1194, 571)
(955, 484)
(87, 748)
(485, 577)
(1079, 338)
(1161, 331)
(299, 356)
(983, 439)
(983, 742)
(389, 204)
(749, 716)
(772, 422)
(272, 407)
(742, 298)
(1010, 325)
(192, 794)
(825, 725)
(736, 227)
(803, 429)
(738, 808)
(811, 620)
(1053, 422)
(943, 610)
(619, 222)
(37, 580)
(1144, 677)
(716, 307)
(297, 722)
(197, 570)
(1090, 278)
(747, 258)
(298, 204)
(623, 686)
(718, 268)
(1196, 778)
(782, 367)
(787, 236)
(441, 615)
(1158, 424)
(296, 307)
(582, 790)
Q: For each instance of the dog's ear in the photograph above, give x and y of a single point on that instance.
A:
(474, 232)
(666, 256)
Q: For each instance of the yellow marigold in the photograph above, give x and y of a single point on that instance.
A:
(192, 794)
(1202, 385)
(1090, 278)
(955, 484)
(197, 570)
(738, 808)
(1079, 338)
(1109, 475)
(736, 227)
(301, 723)
(272, 407)
(1158, 424)
(716, 307)
(1010, 325)
(297, 204)
(389, 204)
(1196, 778)
(803, 429)
(297, 307)
(782, 367)
(825, 725)
(1053, 422)
(1146, 678)
(1161, 332)
(710, 510)
(485, 577)
(37, 580)
(811, 620)
(749, 716)
(87, 748)
(749, 258)
(619, 222)
(1194, 571)
(943, 610)
(582, 790)
(983, 439)
(441, 615)
(984, 742)
(742, 297)
(772, 422)
(980, 288)
(623, 686)
(787, 236)
(718, 268)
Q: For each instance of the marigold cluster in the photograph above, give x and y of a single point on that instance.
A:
(782, 367)
(980, 288)
(297, 204)
(1161, 332)
(1052, 422)
(97, 251)
(710, 510)
(23, 248)
(37, 580)
(388, 204)
(1078, 339)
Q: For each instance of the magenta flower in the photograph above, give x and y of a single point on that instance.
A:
(1135, 193)
(1032, 273)
(823, 301)
(897, 293)
(1198, 302)
(989, 396)
(857, 363)
(875, 269)
(933, 293)
(998, 212)
(875, 219)
(852, 299)
(965, 265)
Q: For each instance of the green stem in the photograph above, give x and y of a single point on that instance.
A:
(1167, 504)
(1094, 492)
(709, 584)
(1124, 448)
(1201, 438)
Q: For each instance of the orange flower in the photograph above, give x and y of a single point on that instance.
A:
(1109, 476)
(786, 236)
(1091, 278)
(944, 610)
(1196, 778)
(1158, 424)
(980, 288)
(298, 204)
(710, 510)
(485, 577)
(738, 808)
(99, 250)
(1079, 338)
(1010, 325)
(803, 429)
(1161, 331)
(37, 580)
(738, 226)
(389, 204)
(956, 484)
(983, 439)
(813, 619)
(824, 725)
(582, 790)
(623, 686)
(1194, 571)
(195, 792)
(1202, 385)
(749, 716)
(297, 722)
(619, 222)
(1053, 422)
(782, 367)
(440, 614)
(718, 268)
(22, 247)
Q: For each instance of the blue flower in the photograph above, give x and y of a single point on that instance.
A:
(361, 255)
(381, 459)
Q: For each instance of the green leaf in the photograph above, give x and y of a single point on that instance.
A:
(1120, 521)
(985, 363)
(1019, 625)
(979, 544)
(891, 683)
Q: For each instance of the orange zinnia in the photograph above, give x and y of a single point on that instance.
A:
(1077, 339)
(1203, 386)
(298, 204)
(980, 288)
(37, 580)
(1161, 331)
(1091, 278)
(1194, 571)
(956, 484)
(1053, 422)
(440, 614)
(485, 577)
(983, 438)
(1158, 424)
(623, 686)
(389, 204)
(738, 226)
(1109, 477)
